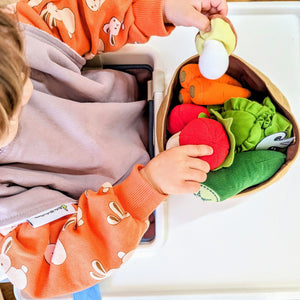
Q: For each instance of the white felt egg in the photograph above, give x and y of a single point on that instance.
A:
(214, 60)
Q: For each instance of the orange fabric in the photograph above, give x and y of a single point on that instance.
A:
(202, 91)
(77, 251)
(184, 96)
(188, 73)
(90, 26)
(211, 92)
(191, 71)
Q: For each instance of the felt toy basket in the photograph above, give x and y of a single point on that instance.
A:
(260, 86)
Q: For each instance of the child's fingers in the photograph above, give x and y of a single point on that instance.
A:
(195, 175)
(195, 18)
(199, 21)
(178, 170)
(221, 6)
(198, 164)
(187, 187)
(197, 150)
(212, 7)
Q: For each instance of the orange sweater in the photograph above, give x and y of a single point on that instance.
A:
(77, 251)
(93, 26)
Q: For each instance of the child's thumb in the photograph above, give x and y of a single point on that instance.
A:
(200, 21)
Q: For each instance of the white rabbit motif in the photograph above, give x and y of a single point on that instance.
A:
(125, 256)
(59, 254)
(65, 15)
(76, 220)
(94, 5)
(112, 219)
(113, 28)
(34, 3)
(100, 271)
(55, 253)
(16, 276)
(106, 187)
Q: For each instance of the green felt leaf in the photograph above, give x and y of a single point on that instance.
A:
(231, 138)
(253, 121)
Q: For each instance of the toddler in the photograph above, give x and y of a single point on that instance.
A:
(65, 133)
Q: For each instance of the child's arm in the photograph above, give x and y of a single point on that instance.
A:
(193, 12)
(75, 252)
(90, 27)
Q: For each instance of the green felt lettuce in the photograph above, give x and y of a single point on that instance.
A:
(253, 121)
(231, 138)
(248, 169)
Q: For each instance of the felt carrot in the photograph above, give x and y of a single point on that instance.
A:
(184, 96)
(191, 71)
(227, 79)
(188, 73)
(211, 92)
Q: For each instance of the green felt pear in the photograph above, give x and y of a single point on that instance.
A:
(248, 169)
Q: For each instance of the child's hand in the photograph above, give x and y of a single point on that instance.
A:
(193, 12)
(178, 170)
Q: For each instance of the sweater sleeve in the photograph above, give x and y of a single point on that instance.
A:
(76, 252)
(95, 26)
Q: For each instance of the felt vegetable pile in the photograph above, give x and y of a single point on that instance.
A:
(233, 129)
(216, 110)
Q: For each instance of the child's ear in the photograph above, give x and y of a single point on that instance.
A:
(27, 92)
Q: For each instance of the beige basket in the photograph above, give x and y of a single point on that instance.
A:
(260, 86)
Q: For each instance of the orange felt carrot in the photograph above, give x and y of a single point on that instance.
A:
(184, 96)
(191, 71)
(211, 92)
(188, 73)
(228, 79)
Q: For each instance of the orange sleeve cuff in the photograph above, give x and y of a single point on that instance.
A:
(149, 18)
(139, 198)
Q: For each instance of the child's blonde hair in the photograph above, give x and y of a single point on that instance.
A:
(13, 69)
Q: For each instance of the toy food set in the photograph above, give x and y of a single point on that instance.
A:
(216, 98)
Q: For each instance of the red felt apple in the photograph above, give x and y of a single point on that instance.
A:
(204, 131)
(182, 114)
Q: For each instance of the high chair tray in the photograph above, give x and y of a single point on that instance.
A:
(250, 251)
(142, 62)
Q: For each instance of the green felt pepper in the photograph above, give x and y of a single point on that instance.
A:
(248, 169)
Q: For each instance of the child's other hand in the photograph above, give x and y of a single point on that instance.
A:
(193, 12)
(178, 170)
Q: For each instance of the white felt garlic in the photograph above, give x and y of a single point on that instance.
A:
(214, 59)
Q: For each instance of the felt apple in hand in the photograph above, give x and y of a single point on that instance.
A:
(190, 124)
(204, 131)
